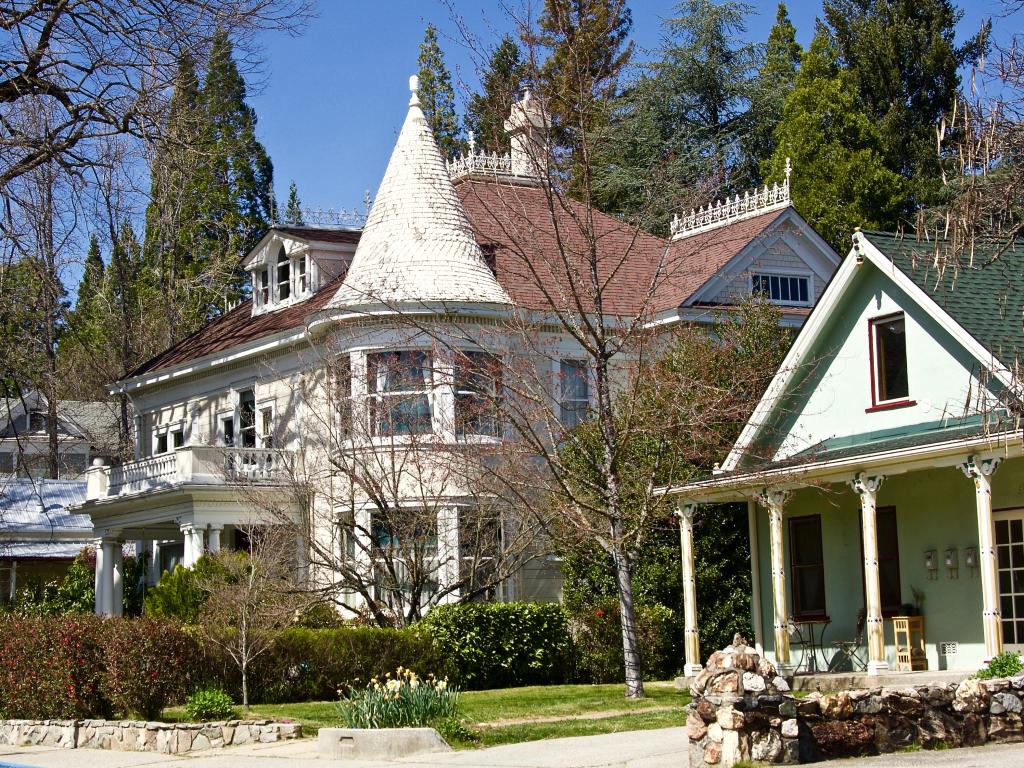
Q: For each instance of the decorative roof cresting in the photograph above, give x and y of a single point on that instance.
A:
(722, 212)
(417, 246)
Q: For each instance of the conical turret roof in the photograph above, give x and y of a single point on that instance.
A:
(418, 246)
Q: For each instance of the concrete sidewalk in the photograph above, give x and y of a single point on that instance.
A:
(663, 748)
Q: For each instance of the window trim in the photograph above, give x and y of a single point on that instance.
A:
(263, 439)
(798, 613)
(222, 417)
(488, 400)
(166, 433)
(876, 404)
(373, 399)
(562, 399)
(808, 276)
(283, 261)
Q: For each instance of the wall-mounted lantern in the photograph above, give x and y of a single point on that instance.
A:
(952, 562)
(931, 564)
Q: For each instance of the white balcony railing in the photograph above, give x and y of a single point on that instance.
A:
(190, 465)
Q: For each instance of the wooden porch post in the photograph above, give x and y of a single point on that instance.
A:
(691, 635)
(981, 472)
(775, 500)
(868, 487)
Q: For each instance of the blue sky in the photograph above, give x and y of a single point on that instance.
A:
(331, 101)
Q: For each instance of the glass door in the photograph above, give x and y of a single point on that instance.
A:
(1010, 563)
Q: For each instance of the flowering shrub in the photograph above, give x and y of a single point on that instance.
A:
(598, 641)
(498, 645)
(148, 664)
(209, 704)
(1006, 664)
(402, 701)
(51, 667)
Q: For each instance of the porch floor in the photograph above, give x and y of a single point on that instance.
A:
(844, 681)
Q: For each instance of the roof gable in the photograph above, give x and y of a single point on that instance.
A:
(819, 398)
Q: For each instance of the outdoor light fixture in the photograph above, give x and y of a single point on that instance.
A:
(971, 559)
(952, 562)
(931, 564)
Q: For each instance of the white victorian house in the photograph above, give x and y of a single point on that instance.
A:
(371, 358)
(883, 468)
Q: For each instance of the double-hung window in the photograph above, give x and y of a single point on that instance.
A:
(477, 389)
(301, 275)
(399, 385)
(262, 286)
(247, 418)
(575, 393)
(284, 276)
(889, 385)
(266, 418)
(782, 289)
(807, 564)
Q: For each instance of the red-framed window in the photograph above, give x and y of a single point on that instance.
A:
(887, 355)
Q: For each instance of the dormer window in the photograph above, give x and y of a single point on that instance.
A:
(284, 276)
(889, 383)
(262, 286)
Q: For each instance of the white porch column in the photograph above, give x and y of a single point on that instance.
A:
(755, 577)
(775, 500)
(867, 486)
(154, 562)
(117, 600)
(193, 544)
(213, 539)
(691, 634)
(448, 550)
(105, 577)
(137, 423)
(981, 472)
(12, 586)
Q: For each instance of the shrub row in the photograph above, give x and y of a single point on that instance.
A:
(79, 665)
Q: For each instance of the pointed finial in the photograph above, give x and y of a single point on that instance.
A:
(472, 143)
(789, 170)
(414, 88)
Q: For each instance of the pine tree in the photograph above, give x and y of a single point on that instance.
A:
(92, 276)
(293, 211)
(904, 65)
(679, 128)
(502, 82)
(589, 46)
(840, 178)
(774, 83)
(437, 98)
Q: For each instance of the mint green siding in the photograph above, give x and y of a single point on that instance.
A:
(935, 509)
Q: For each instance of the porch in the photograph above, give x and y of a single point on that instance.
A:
(835, 561)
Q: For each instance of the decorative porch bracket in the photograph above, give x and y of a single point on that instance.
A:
(775, 501)
(981, 471)
(867, 487)
(691, 636)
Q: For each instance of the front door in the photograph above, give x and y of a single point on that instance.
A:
(1010, 562)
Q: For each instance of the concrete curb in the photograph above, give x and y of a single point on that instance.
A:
(378, 743)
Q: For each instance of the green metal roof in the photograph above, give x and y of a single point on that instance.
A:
(982, 290)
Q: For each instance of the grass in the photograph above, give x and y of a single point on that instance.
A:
(528, 705)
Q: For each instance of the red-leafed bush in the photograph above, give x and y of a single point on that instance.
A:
(148, 665)
(51, 667)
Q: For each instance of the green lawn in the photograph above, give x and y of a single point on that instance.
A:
(567, 701)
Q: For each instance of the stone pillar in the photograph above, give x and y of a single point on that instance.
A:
(691, 634)
(117, 593)
(867, 486)
(213, 539)
(775, 500)
(981, 472)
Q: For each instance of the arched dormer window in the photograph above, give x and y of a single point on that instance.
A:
(284, 282)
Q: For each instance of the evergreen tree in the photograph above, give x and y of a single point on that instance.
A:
(679, 128)
(775, 81)
(92, 276)
(437, 97)
(589, 46)
(840, 179)
(502, 82)
(293, 212)
(903, 62)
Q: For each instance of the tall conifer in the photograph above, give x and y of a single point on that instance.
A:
(487, 111)
(437, 97)
(293, 210)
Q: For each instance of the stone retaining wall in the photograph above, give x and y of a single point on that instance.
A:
(140, 736)
(724, 729)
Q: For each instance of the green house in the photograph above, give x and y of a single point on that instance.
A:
(883, 468)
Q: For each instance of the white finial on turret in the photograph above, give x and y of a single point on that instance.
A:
(789, 170)
(472, 143)
(414, 87)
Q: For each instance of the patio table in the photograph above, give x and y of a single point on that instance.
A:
(810, 634)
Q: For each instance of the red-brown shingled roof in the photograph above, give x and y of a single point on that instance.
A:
(239, 327)
(322, 234)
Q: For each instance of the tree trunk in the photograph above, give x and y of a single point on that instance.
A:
(630, 646)
(245, 688)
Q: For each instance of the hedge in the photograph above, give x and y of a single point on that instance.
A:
(500, 645)
(597, 635)
(79, 665)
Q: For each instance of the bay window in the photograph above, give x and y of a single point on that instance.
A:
(477, 389)
(399, 385)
